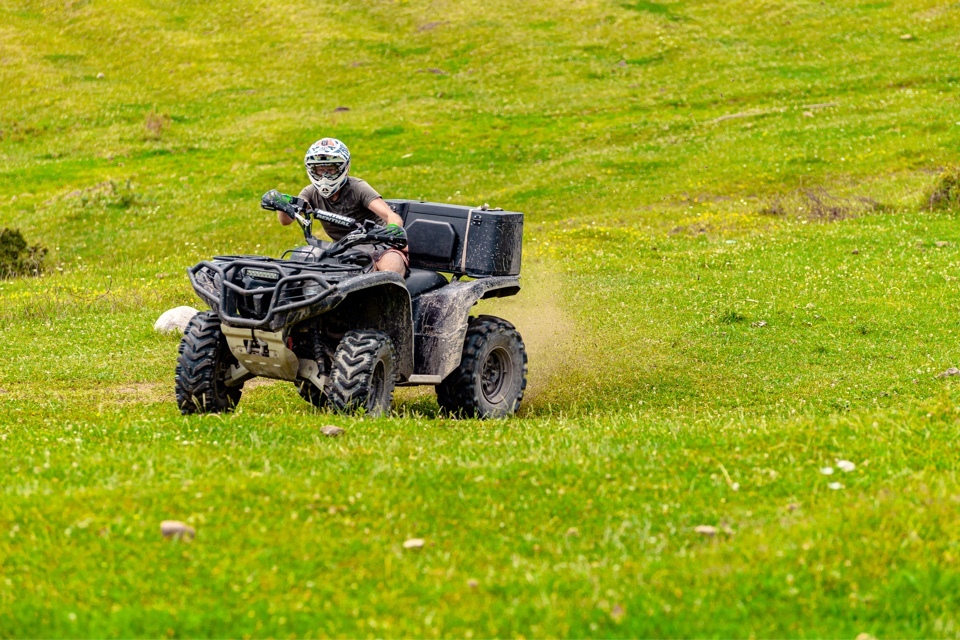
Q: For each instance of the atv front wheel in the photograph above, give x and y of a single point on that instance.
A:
(202, 368)
(364, 373)
(492, 375)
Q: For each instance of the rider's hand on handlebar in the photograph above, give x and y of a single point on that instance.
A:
(393, 230)
(392, 234)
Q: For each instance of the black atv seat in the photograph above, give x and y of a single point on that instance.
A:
(423, 280)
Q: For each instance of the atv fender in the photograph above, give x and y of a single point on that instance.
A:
(380, 301)
(440, 322)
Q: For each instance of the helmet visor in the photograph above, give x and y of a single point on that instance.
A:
(327, 171)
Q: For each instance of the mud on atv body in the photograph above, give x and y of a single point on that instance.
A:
(322, 318)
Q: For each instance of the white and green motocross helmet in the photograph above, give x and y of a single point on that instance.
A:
(328, 163)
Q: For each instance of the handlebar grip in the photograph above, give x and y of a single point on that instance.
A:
(273, 200)
(398, 242)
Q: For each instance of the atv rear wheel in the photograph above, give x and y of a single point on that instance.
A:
(364, 373)
(202, 368)
(492, 375)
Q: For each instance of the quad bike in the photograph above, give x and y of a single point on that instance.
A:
(345, 334)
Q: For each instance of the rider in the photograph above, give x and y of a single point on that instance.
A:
(331, 189)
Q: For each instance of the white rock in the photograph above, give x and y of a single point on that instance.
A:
(706, 530)
(846, 466)
(175, 320)
(331, 431)
(827, 471)
(177, 529)
(836, 486)
(414, 543)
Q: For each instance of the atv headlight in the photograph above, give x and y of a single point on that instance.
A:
(311, 289)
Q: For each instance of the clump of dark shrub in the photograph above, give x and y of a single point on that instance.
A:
(946, 191)
(732, 316)
(17, 257)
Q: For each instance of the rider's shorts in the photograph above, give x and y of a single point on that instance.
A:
(405, 257)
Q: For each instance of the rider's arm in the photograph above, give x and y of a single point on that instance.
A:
(384, 212)
(283, 218)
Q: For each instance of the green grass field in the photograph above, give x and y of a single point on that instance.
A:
(732, 280)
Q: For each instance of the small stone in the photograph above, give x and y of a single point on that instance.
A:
(331, 431)
(942, 243)
(430, 25)
(855, 252)
(907, 36)
(617, 613)
(339, 109)
(573, 532)
(846, 466)
(101, 76)
(177, 530)
(706, 530)
(473, 584)
(175, 320)
(952, 371)
(827, 471)
(836, 486)
(793, 506)
(808, 114)
(414, 543)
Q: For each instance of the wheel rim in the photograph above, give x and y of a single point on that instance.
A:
(377, 382)
(497, 375)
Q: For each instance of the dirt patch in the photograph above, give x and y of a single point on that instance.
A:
(258, 382)
(156, 392)
(821, 205)
(145, 392)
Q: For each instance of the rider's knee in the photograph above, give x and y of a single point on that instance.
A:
(391, 262)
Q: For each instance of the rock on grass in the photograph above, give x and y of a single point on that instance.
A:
(174, 320)
(177, 530)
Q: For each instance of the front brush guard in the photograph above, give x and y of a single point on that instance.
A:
(224, 301)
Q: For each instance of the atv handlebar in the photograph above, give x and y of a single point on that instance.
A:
(334, 218)
(297, 208)
(273, 200)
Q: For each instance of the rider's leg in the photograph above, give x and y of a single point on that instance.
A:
(392, 261)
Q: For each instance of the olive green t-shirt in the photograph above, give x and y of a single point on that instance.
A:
(352, 200)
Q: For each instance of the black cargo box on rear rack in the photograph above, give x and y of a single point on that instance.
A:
(461, 240)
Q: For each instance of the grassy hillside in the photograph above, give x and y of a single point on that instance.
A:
(731, 282)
